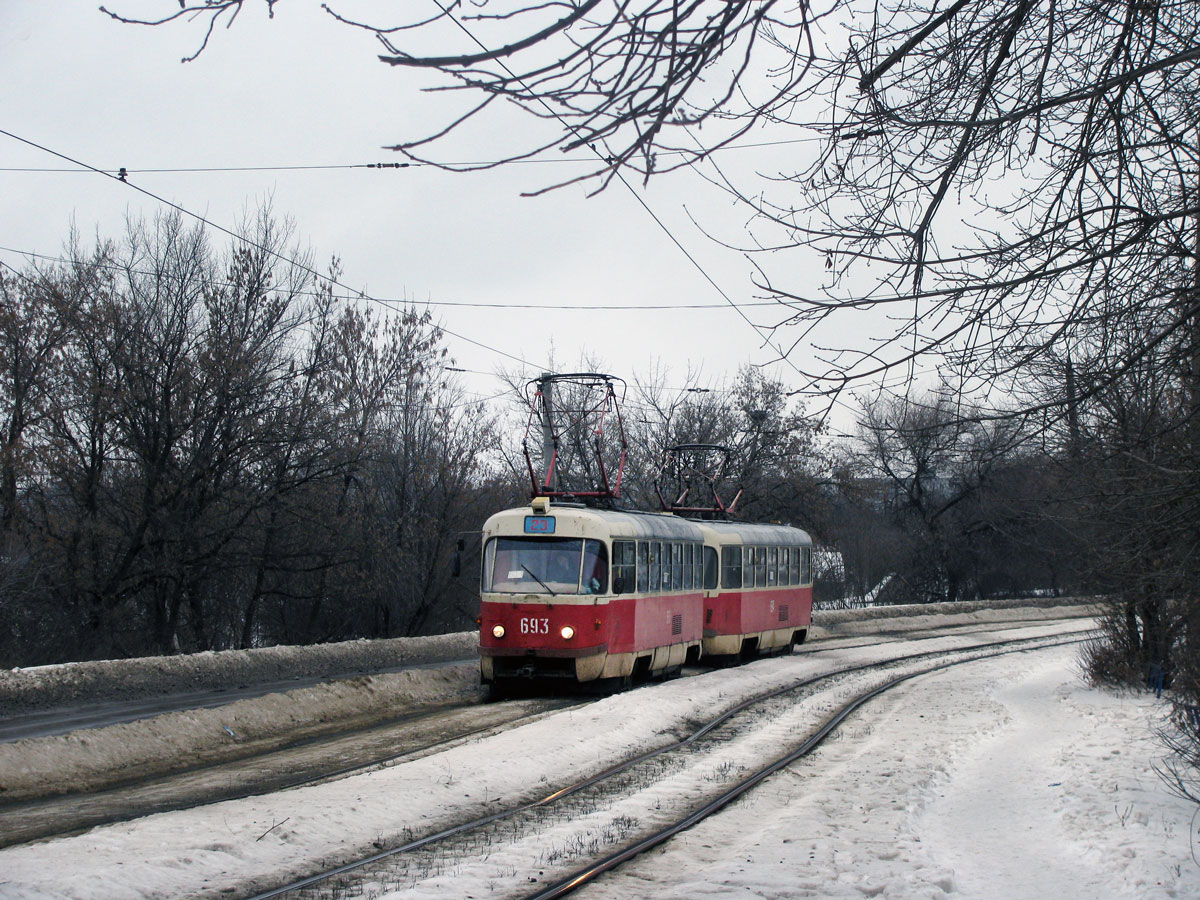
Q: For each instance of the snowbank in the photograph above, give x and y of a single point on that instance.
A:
(878, 619)
(26, 690)
(98, 758)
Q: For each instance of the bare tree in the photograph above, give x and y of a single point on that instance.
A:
(1065, 134)
(934, 468)
(207, 449)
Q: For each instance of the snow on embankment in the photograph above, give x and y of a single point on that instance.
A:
(882, 619)
(98, 758)
(95, 758)
(47, 687)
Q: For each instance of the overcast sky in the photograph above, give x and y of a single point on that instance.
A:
(302, 90)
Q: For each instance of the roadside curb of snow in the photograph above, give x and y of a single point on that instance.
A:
(99, 758)
(46, 687)
(877, 619)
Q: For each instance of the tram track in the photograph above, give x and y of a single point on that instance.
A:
(418, 856)
(310, 761)
(589, 873)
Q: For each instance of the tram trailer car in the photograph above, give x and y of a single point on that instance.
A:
(583, 595)
(762, 604)
(563, 596)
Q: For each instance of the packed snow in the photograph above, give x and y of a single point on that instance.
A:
(1004, 778)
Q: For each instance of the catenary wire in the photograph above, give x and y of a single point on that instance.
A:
(615, 307)
(238, 237)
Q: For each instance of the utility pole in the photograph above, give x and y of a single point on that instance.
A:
(546, 386)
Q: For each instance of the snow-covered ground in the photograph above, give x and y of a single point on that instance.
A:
(1006, 778)
(1002, 780)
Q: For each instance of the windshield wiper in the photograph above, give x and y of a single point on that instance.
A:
(538, 580)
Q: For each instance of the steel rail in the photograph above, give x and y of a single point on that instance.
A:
(30, 815)
(698, 734)
(613, 860)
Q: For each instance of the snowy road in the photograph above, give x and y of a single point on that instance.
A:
(946, 787)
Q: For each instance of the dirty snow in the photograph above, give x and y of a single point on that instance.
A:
(95, 758)
(951, 786)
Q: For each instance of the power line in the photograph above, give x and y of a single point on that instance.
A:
(762, 332)
(239, 237)
(465, 304)
(390, 303)
(121, 171)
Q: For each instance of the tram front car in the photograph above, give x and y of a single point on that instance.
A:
(549, 610)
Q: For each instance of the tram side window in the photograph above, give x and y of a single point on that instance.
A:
(655, 567)
(689, 557)
(760, 566)
(748, 567)
(784, 558)
(643, 567)
(711, 569)
(806, 566)
(677, 567)
(624, 567)
(796, 554)
(595, 568)
(772, 566)
(731, 567)
(698, 571)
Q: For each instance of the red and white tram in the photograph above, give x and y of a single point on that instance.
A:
(586, 594)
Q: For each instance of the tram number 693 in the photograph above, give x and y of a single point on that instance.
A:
(535, 626)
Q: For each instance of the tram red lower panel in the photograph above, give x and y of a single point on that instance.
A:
(617, 625)
(752, 612)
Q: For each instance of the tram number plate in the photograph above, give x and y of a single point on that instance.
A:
(539, 524)
(535, 626)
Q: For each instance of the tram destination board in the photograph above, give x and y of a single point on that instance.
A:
(539, 524)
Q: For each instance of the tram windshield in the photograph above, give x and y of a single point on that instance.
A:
(520, 565)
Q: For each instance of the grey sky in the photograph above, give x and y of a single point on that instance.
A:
(303, 90)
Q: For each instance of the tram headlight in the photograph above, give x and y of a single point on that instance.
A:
(567, 632)
(497, 631)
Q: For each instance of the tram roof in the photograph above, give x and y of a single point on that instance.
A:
(758, 533)
(666, 526)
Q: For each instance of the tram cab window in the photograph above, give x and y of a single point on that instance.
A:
(711, 568)
(522, 565)
(624, 555)
(731, 567)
